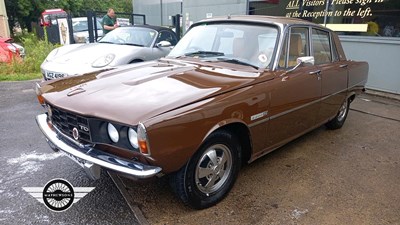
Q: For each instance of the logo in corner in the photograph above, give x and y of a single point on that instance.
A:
(58, 194)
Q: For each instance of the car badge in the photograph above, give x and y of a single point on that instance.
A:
(76, 91)
(75, 133)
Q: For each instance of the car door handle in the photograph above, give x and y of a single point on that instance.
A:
(317, 72)
(344, 66)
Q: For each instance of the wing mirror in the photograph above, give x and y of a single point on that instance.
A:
(303, 61)
(306, 61)
(163, 44)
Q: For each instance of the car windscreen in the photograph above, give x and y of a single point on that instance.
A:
(246, 44)
(137, 36)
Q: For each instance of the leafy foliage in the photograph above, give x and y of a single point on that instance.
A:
(27, 11)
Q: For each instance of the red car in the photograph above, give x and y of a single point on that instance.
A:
(8, 50)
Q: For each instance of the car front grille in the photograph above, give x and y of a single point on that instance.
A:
(66, 122)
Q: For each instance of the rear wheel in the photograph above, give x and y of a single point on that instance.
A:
(210, 173)
(340, 118)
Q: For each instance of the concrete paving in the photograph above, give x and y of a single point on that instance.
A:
(346, 176)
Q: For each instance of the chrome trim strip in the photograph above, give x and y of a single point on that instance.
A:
(259, 122)
(131, 168)
(302, 106)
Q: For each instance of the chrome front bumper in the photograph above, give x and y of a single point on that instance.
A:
(92, 159)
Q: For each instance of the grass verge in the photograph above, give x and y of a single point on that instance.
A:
(36, 51)
(20, 76)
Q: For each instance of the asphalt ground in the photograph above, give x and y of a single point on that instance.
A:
(27, 161)
(345, 176)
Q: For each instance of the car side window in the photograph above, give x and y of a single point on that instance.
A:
(295, 46)
(167, 36)
(335, 54)
(321, 47)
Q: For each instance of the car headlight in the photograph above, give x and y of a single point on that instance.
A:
(113, 133)
(12, 48)
(132, 136)
(103, 61)
(143, 141)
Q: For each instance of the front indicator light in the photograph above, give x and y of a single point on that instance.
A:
(41, 99)
(113, 133)
(143, 140)
(39, 94)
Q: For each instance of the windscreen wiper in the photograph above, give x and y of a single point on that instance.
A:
(237, 61)
(204, 53)
(106, 42)
(132, 44)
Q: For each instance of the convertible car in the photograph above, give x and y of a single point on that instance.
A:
(121, 46)
(232, 90)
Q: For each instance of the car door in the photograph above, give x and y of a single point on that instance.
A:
(296, 93)
(333, 74)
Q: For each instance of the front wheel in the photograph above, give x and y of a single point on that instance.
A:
(340, 118)
(210, 173)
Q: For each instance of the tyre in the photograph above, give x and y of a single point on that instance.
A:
(340, 118)
(211, 172)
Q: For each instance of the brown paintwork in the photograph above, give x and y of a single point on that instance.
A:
(182, 101)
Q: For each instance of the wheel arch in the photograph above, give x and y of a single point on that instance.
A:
(136, 61)
(241, 132)
(351, 95)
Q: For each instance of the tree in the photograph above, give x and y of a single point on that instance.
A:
(27, 11)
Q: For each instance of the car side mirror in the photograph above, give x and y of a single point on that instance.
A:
(163, 44)
(306, 61)
(302, 61)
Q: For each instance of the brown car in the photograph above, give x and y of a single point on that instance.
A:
(232, 90)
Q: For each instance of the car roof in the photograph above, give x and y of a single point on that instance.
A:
(260, 19)
(157, 28)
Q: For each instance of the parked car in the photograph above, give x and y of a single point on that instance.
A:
(81, 29)
(10, 50)
(232, 90)
(121, 46)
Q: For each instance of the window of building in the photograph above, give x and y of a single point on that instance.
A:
(347, 17)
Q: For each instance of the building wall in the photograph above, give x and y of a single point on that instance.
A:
(158, 12)
(194, 10)
(383, 56)
(4, 29)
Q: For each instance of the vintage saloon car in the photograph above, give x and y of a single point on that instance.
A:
(232, 90)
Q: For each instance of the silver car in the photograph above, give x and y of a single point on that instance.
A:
(80, 29)
(121, 46)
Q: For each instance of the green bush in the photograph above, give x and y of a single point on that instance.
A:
(36, 51)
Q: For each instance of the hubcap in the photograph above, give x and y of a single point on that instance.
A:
(342, 111)
(213, 168)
